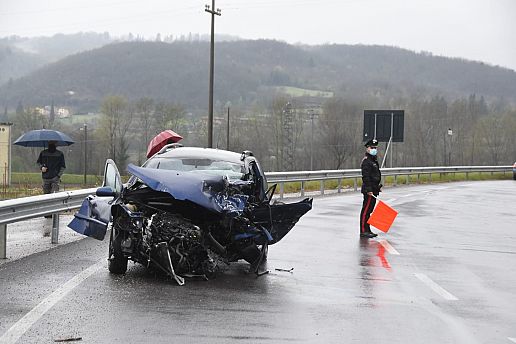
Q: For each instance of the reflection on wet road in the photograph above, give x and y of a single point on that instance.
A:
(442, 274)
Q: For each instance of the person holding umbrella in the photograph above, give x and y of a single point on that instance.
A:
(51, 162)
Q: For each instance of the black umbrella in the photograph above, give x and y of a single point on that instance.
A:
(40, 138)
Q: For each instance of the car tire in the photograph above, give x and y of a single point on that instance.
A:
(251, 253)
(117, 262)
(264, 249)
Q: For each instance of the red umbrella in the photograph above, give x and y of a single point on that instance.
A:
(162, 139)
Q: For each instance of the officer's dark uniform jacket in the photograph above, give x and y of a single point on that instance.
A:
(371, 175)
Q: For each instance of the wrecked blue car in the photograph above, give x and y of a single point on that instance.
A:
(188, 212)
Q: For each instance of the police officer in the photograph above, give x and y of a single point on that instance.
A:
(371, 186)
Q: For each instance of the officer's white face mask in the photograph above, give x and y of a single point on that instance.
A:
(373, 151)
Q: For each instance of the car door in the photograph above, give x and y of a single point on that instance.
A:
(279, 218)
(93, 217)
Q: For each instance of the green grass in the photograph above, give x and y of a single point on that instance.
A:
(35, 179)
(300, 92)
(29, 184)
(79, 120)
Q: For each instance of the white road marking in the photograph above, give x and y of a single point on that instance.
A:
(388, 247)
(24, 324)
(391, 200)
(407, 195)
(512, 339)
(436, 287)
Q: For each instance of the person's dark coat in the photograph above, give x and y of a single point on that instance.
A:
(54, 161)
(371, 175)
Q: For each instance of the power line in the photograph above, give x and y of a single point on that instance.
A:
(75, 8)
(149, 16)
(292, 3)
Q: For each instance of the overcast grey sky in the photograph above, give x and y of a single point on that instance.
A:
(483, 30)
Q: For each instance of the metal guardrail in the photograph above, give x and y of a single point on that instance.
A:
(25, 208)
(303, 176)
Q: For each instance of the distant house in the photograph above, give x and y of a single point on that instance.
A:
(60, 112)
(45, 111)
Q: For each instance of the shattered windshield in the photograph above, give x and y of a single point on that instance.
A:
(217, 167)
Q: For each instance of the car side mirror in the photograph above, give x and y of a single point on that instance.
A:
(105, 191)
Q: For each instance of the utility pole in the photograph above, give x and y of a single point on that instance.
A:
(288, 137)
(450, 135)
(312, 141)
(227, 133)
(213, 12)
(85, 150)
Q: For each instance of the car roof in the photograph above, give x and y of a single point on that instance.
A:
(201, 153)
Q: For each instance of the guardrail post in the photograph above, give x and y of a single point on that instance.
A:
(418, 180)
(430, 178)
(467, 175)
(302, 188)
(281, 189)
(395, 180)
(322, 187)
(3, 241)
(339, 186)
(355, 184)
(55, 228)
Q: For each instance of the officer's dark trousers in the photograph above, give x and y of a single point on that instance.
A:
(367, 209)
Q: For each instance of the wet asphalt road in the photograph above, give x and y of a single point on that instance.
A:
(445, 273)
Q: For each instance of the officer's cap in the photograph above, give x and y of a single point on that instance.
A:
(372, 142)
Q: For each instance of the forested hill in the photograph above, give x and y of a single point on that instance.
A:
(21, 55)
(247, 70)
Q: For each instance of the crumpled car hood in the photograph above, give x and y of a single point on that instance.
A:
(202, 189)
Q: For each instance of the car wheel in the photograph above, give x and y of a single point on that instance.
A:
(251, 253)
(264, 249)
(117, 262)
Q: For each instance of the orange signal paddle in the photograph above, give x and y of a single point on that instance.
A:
(383, 216)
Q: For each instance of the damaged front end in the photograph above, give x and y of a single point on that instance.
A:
(191, 224)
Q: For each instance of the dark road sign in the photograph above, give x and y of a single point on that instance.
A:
(378, 124)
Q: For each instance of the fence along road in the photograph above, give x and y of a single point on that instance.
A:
(51, 204)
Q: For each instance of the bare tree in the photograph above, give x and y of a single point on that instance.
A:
(115, 122)
(339, 124)
(490, 132)
(169, 116)
(276, 108)
(144, 112)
